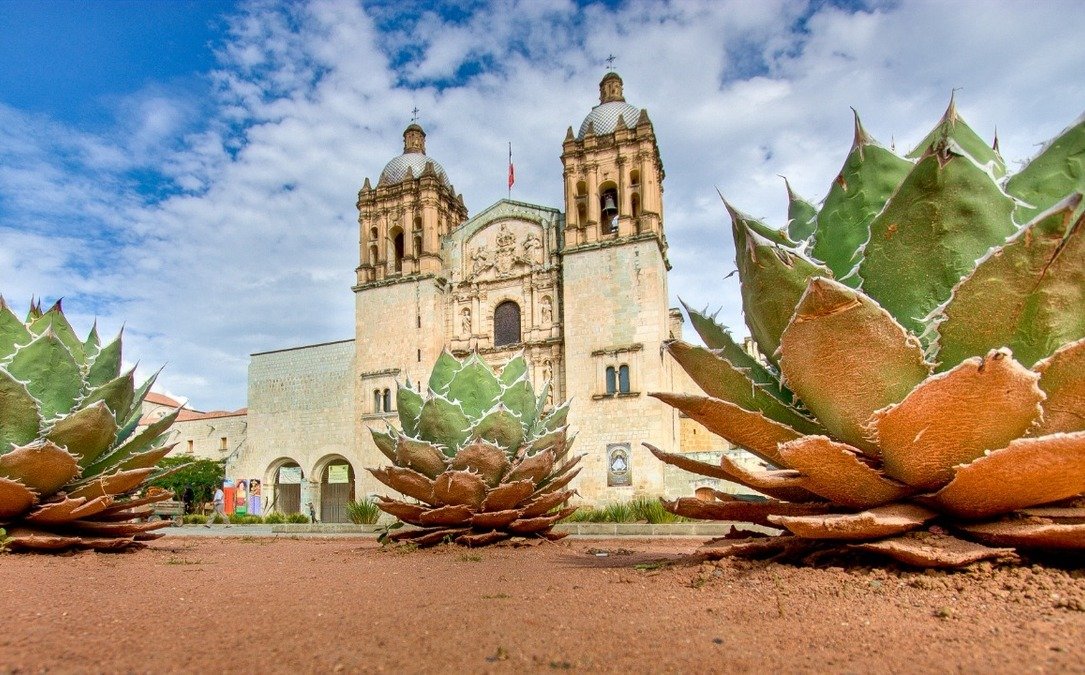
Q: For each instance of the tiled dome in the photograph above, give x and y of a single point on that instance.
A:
(604, 117)
(396, 170)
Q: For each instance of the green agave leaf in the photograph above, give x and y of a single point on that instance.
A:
(118, 394)
(385, 442)
(55, 319)
(501, 427)
(474, 387)
(93, 342)
(869, 176)
(20, 420)
(773, 280)
(409, 405)
(129, 427)
(845, 357)
(51, 374)
(514, 370)
(753, 224)
(151, 436)
(425, 458)
(556, 419)
(12, 331)
(519, 397)
(547, 441)
(141, 393)
(1028, 295)
(720, 379)
(952, 130)
(945, 216)
(442, 372)
(34, 312)
(801, 216)
(443, 422)
(1059, 170)
(86, 433)
(1061, 381)
(106, 365)
(718, 339)
(540, 404)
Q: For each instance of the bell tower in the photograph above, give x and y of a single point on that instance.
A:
(614, 280)
(613, 173)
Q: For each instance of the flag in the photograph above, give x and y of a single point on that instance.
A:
(512, 171)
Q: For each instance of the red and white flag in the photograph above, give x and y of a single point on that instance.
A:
(512, 171)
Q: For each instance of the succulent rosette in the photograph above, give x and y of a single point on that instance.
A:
(477, 459)
(922, 390)
(72, 454)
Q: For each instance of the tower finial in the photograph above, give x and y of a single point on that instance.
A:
(610, 61)
(414, 114)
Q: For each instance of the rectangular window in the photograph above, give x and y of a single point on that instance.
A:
(612, 385)
(222, 443)
(190, 446)
(420, 356)
(623, 379)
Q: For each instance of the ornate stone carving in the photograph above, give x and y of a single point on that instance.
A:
(465, 320)
(546, 311)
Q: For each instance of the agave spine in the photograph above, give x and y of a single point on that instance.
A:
(478, 455)
(72, 457)
(925, 357)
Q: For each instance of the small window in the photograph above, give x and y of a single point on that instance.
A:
(190, 446)
(222, 443)
(420, 356)
(506, 324)
(417, 246)
(418, 222)
(373, 255)
(636, 204)
(612, 383)
(373, 233)
(376, 400)
(634, 178)
(398, 251)
(623, 379)
(387, 400)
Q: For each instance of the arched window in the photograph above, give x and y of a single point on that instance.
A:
(612, 383)
(417, 245)
(388, 399)
(623, 379)
(506, 323)
(372, 234)
(636, 204)
(608, 208)
(634, 178)
(376, 400)
(373, 255)
(397, 249)
(417, 223)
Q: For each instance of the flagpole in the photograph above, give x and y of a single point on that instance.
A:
(512, 179)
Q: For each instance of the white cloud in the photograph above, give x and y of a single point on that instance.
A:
(256, 250)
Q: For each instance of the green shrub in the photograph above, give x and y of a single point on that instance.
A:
(275, 518)
(363, 512)
(297, 518)
(245, 519)
(195, 519)
(640, 510)
(651, 511)
(215, 519)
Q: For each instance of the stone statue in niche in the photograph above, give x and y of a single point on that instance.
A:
(465, 320)
(533, 248)
(546, 311)
(548, 376)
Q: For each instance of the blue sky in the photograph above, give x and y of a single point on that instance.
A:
(189, 169)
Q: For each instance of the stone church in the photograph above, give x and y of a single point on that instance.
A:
(581, 290)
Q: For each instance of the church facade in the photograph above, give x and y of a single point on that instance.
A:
(580, 290)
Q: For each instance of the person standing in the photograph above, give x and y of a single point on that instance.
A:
(220, 508)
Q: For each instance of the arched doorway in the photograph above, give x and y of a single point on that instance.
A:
(336, 491)
(287, 477)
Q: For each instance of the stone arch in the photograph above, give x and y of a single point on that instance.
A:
(336, 488)
(609, 199)
(284, 497)
(396, 244)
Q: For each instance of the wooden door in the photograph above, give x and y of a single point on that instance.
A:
(336, 492)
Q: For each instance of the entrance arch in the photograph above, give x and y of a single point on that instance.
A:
(285, 476)
(336, 489)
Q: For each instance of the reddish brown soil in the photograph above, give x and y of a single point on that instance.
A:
(342, 605)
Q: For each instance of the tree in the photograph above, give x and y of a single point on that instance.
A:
(201, 476)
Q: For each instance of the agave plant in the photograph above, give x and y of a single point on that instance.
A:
(71, 456)
(478, 455)
(922, 391)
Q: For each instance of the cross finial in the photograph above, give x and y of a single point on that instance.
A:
(414, 113)
(610, 61)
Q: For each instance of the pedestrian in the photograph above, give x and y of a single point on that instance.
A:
(220, 508)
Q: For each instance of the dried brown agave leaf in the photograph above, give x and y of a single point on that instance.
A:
(845, 357)
(881, 521)
(507, 496)
(743, 511)
(486, 459)
(408, 513)
(481, 538)
(494, 519)
(56, 512)
(534, 468)
(750, 430)
(545, 502)
(953, 417)
(152, 496)
(146, 460)
(772, 479)
(927, 549)
(755, 546)
(122, 529)
(131, 514)
(1029, 533)
(724, 472)
(422, 456)
(424, 538)
(459, 487)
(1027, 472)
(405, 481)
(15, 498)
(1062, 377)
(42, 467)
(533, 525)
(113, 484)
(837, 472)
(30, 539)
(447, 516)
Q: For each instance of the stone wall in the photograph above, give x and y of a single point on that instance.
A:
(215, 436)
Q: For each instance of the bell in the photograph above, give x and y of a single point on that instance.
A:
(609, 208)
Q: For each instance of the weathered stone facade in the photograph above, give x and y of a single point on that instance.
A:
(581, 292)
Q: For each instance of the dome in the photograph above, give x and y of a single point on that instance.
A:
(396, 170)
(604, 117)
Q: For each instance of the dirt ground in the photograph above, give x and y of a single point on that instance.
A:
(345, 605)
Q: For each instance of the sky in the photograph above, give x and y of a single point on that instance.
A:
(188, 169)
